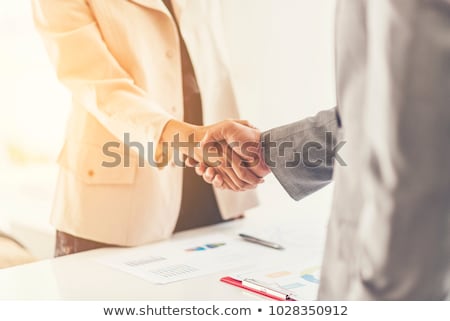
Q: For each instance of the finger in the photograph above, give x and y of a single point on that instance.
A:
(245, 123)
(227, 180)
(209, 175)
(230, 176)
(218, 182)
(243, 173)
(200, 169)
(212, 154)
(218, 132)
(222, 157)
(216, 167)
(190, 162)
(250, 187)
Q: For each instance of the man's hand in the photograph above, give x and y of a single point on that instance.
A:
(244, 161)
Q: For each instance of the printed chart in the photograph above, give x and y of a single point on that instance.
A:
(302, 283)
(180, 260)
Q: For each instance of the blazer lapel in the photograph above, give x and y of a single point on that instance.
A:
(153, 4)
(178, 6)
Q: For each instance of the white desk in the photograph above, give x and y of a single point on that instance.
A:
(80, 276)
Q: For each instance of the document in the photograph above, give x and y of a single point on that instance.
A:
(175, 260)
(298, 281)
(179, 260)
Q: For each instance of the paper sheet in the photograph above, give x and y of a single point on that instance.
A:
(180, 260)
(301, 280)
(176, 260)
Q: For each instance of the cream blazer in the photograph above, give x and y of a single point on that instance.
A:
(121, 61)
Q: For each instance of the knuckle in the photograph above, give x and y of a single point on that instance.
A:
(245, 175)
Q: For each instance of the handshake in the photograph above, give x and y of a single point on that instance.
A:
(227, 154)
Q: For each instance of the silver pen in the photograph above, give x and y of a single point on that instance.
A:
(256, 240)
(267, 289)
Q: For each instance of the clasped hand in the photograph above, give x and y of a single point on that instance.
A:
(230, 155)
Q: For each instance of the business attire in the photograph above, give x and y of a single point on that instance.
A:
(126, 66)
(389, 231)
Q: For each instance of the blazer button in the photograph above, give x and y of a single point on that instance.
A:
(173, 109)
(169, 54)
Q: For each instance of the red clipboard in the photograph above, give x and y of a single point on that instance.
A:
(238, 283)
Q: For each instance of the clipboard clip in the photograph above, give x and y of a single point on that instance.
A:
(268, 289)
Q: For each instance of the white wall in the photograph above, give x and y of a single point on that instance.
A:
(282, 59)
(282, 55)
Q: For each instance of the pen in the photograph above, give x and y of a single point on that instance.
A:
(256, 240)
(267, 289)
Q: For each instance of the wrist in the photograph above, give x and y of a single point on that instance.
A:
(261, 153)
(173, 128)
(181, 133)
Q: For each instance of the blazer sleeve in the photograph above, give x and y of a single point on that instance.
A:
(88, 69)
(301, 155)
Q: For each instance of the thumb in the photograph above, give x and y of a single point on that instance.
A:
(217, 132)
(245, 123)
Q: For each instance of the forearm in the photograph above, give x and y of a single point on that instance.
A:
(173, 136)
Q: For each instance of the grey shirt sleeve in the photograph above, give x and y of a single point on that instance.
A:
(301, 155)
